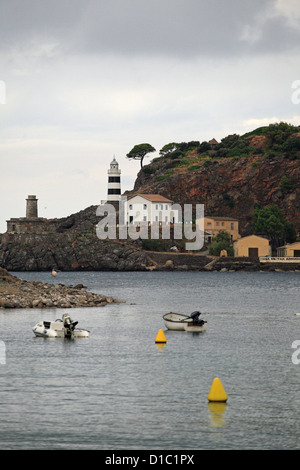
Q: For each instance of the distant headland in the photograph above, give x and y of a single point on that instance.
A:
(233, 179)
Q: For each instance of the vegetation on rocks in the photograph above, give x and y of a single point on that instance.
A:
(139, 152)
(231, 177)
(239, 177)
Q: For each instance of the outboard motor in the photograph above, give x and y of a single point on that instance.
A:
(69, 326)
(195, 316)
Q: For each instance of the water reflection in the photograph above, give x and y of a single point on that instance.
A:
(216, 414)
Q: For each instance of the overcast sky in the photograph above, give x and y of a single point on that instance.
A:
(84, 80)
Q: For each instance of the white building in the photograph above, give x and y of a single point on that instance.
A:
(149, 209)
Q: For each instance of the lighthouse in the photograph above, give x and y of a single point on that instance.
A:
(114, 182)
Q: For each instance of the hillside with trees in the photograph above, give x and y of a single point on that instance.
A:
(253, 178)
(235, 177)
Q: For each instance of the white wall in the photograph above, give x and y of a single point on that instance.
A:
(139, 208)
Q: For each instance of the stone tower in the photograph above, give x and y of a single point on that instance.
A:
(32, 223)
(31, 207)
(114, 182)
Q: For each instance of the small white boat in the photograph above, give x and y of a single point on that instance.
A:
(180, 322)
(64, 328)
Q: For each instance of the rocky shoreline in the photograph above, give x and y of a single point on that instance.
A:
(202, 263)
(71, 244)
(17, 293)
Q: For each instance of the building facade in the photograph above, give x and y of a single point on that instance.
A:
(214, 225)
(251, 246)
(148, 209)
(289, 251)
(31, 223)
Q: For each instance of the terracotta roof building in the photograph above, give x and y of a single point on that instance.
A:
(148, 209)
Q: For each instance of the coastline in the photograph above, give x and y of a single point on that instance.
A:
(166, 261)
(17, 293)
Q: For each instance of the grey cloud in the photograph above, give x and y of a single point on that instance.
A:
(169, 27)
(277, 36)
(184, 28)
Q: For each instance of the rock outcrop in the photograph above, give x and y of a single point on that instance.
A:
(72, 245)
(74, 253)
(17, 293)
(227, 187)
(231, 179)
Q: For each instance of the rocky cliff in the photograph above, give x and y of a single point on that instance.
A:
(228, 186)
(72, 246)
(230, 178)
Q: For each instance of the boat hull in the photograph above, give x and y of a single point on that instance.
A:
(56, 330)
(175, 321)
(194, 328)
(180, 322)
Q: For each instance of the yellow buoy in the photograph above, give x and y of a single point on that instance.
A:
(217, 391)
(160, 337)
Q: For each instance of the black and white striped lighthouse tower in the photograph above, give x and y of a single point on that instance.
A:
(114, 182)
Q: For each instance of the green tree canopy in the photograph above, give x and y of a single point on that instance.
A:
(168, 148)
(140, 151)
(222, 241)
(278, 133)
(271, 222)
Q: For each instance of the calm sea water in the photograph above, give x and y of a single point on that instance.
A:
(117, 389)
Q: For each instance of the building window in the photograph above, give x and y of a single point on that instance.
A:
(130, 207)
(156, 218)
(161, 206)
(231, 225)
(145, 206)
(217, 224)
(223, 224)
(166, 206)
(114, 179)
(209, 224)
(145, 218)
(156, 206)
